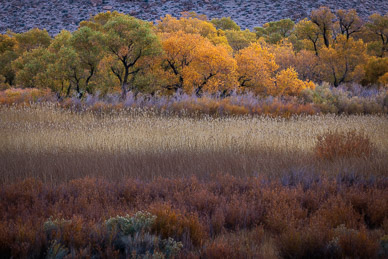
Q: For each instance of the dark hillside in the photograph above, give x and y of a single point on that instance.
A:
(55, 15)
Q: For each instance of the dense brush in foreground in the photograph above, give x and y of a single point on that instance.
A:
(299, 216)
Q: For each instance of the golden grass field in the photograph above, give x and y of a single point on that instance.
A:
(55, 145)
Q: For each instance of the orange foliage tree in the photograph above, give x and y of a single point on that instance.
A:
(256, 68)
(192, 23)
(193, 63)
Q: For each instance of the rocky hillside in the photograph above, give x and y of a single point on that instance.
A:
(55, 15)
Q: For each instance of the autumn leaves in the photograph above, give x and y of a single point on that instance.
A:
(115, 52)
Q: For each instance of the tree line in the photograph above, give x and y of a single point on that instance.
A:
(116, 52)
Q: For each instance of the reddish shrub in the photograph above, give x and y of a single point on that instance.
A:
(335, 211)
(216, 217)
(241, 244)
(356, 244)
(333, 145)
(307, 242)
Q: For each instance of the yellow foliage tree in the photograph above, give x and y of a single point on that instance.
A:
(374, 69)
(284, 55)
(383, 80)
(193, 63)
(213, 69)
(287, 83)
(190, 23)
(256, 68)
(343, 61)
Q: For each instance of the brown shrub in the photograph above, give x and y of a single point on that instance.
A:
(240, 244)
(356, 244)
(306, 242)
(336, 211)
(180, 226)
(333, 145)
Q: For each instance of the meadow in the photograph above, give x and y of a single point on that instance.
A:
(54, 145)
(136, 184)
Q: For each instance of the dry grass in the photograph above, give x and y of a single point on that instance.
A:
(55, 145)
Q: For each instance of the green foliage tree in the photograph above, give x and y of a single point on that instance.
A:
(99, 20)
(240, 39)
(31, 39)
(378, 25)
(307, 30)
(87, 44)
(31, 68)
(129, 40)
(7, 55)
(273, 32)
(225, 23)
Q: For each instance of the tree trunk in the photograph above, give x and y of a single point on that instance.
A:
(124, 86)
(124, 91)
(68, 90)
(326, 39)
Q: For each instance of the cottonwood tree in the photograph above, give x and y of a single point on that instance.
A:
(193, 63)
(273, 32)
(32, 39)
(374, 69)
(288, 83)
(307, 65)
(349, 22)
(240, 39)
(307, 30)
(31, 68)
(7, 55)
(284, 53)
(179, 52)
(378, 25)
(14, 45)
(324, 19)
(256, 68)
(225, 23)
(212, 70)
(343, 61)
(87, 45)
(76, 61)
(191, 23)
(128, 40)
